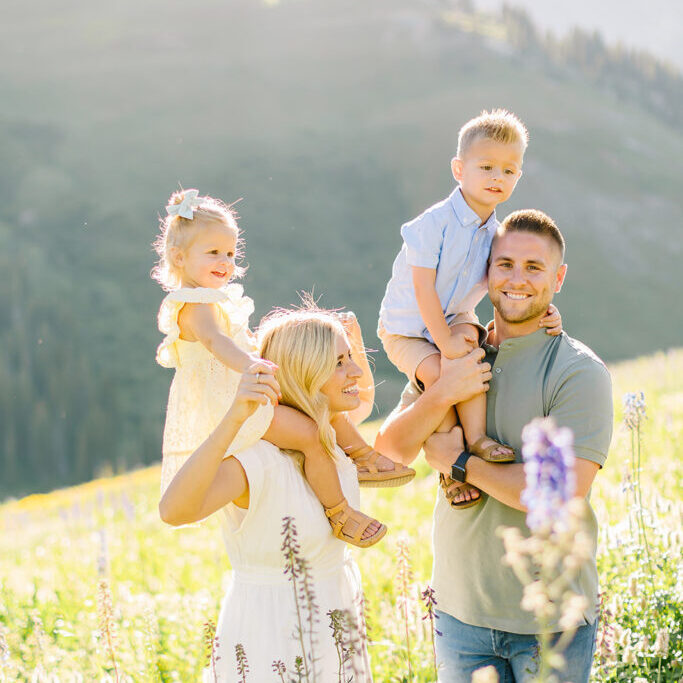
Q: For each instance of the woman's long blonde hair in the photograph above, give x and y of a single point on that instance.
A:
(303, 343)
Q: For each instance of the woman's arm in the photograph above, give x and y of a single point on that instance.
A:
(366, 382)
(199, 322)
(206, 481)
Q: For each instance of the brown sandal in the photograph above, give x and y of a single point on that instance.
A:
(487, 453)
(451, 487)
(365, 457)
(348, 514)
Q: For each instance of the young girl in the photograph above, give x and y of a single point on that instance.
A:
(205, 319)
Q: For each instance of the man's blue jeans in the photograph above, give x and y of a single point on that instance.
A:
(462, 649)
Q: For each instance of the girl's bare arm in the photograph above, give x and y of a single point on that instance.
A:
(199, 322)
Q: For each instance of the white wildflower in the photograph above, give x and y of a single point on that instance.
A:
(628, 656)
(662, 643)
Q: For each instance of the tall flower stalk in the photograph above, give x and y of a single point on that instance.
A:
(105, 609)
(404, 581)
(242, 662)
(635, 411)
(430, 603)
(211, 647)
(547, 562)
(299, 574)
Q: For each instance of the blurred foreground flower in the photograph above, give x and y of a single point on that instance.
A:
(549, 468)
(548, 561)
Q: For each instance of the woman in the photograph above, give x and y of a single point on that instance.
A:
(274, 621)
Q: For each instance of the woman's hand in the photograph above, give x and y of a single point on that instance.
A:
(257, 387)
(350, 324)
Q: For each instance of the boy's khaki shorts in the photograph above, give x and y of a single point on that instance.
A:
(406, 353)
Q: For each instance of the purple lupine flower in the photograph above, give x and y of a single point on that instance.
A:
(549, 468)
(634, 409)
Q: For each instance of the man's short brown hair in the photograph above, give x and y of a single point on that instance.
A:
(536, 222)
(500, 125)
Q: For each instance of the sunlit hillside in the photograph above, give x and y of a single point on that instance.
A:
(166, 584)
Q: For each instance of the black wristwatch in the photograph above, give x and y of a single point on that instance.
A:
(458, 467)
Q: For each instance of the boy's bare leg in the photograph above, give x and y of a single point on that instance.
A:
(428, 372)
(472, 416)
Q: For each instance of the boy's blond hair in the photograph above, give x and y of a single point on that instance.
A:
(500, 125)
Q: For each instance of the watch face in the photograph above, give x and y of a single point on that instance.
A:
(458, 467)
(458, 473)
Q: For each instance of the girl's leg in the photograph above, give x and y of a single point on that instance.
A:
(321, 473)
(292, 430)
(350, 440)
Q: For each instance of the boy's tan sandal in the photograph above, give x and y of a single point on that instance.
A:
(451, 488)
(487, 453)
(365, 457)
(348, 515)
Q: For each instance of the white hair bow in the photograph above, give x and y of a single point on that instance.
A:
(186, 208)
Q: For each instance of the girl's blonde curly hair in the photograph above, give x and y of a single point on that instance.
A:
(179, 232)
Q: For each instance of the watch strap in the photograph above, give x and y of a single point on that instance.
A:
(458, 471)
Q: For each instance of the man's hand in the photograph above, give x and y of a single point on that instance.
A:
(442, 448)
(462, 378)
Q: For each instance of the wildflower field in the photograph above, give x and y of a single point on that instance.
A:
(94, 587)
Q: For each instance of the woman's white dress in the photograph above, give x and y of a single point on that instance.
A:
(259, 611)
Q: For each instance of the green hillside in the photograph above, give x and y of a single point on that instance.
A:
(335, 122)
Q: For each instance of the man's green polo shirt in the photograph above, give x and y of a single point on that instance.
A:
(533, 376)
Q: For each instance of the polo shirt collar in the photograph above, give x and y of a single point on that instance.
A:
(467, 216)
(527, 341)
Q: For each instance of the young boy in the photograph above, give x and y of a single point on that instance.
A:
(439, 276)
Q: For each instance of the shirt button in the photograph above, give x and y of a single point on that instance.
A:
(498, 370)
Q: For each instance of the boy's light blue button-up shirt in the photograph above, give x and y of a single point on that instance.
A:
(450, 237)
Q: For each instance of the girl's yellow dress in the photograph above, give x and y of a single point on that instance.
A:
(203, 388)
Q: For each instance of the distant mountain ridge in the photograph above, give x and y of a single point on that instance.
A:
(335, 122)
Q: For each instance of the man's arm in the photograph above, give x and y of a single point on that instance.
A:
(407, 428)
(504, 482)
(582, 401)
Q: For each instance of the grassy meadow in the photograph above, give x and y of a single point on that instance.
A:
(60, 620)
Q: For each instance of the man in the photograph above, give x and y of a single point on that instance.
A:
(527, 374)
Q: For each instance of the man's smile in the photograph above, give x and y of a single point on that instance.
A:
(516, 296)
